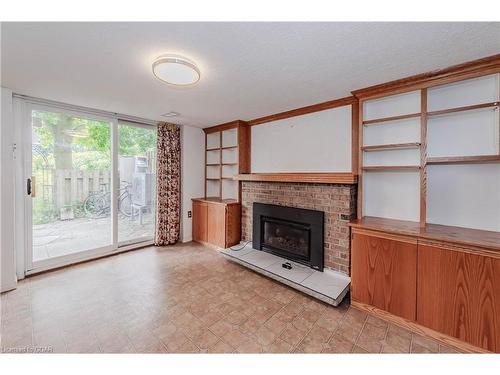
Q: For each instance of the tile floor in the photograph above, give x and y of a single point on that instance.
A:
(186, 299)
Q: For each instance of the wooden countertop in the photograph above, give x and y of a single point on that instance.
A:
(216, 200)
(481, 239)
(318, 178)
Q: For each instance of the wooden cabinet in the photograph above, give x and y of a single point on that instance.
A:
(216, 221)
(458, 294)
(384, 271)
(442, 280)
(200, 213)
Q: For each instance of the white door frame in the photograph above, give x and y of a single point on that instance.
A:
(31, 267)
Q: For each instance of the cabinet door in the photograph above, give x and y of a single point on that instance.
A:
(216, 224)
(199, 221)
(384, 273)
(459, 295)
(233, 225)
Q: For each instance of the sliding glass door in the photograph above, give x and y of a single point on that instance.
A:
(90, 186)
(137, 176)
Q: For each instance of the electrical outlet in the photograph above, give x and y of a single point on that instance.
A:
(190, 214)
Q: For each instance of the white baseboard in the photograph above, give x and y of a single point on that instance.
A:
(8, 286)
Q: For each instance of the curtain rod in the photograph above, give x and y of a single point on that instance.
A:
(118, 116)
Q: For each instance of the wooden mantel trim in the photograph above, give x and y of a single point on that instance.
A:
(471, 69)
(318, 178)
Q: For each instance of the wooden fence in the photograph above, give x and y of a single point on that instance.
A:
(63, 187)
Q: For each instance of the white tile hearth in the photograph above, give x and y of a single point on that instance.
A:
(260, 258)
(298, 274)
(328, 286)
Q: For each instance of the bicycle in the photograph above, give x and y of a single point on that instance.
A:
(98, 204)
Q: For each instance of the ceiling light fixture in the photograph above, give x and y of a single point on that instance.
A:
(171, 114)
(176, 70)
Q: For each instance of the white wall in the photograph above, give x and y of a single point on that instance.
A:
(7, 254)
(394, 195)
(315, 142)
(464, 195)
(192, 174)
(394, 105)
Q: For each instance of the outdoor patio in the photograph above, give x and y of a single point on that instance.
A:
(65, 237)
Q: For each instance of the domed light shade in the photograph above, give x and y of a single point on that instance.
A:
(176, 70)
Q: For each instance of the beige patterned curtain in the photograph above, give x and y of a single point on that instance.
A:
(168, 182)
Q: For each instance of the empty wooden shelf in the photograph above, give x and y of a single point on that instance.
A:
(464, 159)
(382, 168)
(393, 146)
(391, 118)
(462, 109)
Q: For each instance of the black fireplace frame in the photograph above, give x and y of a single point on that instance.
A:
(312, 218)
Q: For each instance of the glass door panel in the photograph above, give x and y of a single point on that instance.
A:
(71, 172)
(137, 177)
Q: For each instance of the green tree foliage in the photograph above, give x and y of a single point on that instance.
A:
(85, 142)
(132, 140)
(61, 141)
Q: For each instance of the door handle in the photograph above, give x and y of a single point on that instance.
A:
(30, 187)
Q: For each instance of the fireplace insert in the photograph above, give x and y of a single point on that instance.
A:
(292, 233)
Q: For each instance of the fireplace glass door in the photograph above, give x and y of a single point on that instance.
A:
(288, 238)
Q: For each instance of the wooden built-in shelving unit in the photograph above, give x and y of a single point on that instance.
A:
(423, 131)
(427, 236)
(226, 155)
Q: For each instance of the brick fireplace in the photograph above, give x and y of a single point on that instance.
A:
(337, 201)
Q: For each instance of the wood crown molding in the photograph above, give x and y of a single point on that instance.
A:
(348, 100)
(225, 126)
(318, 178)
(471, 69)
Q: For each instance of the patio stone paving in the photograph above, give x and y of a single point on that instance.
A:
(65, 237)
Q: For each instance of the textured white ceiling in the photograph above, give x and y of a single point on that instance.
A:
(248, 70)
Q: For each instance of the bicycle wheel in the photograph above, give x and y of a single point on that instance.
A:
(94, 206)
(125, 205)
